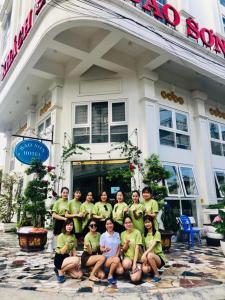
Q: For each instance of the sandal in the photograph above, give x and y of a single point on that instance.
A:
(95, 279)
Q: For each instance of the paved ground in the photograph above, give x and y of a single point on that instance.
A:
(193, 274)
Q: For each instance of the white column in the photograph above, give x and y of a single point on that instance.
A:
(8, 137)
(202, 151)
(148, 134)
(31, 121)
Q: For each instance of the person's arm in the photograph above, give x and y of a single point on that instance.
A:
(137, 215)
(136, 254)
(69, 215)
(118, 251)
(125, 246)
(64, 249)
(150, 249)
(58, 217)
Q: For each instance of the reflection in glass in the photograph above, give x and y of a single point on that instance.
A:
(181, 122)
(183, 141)
(189, 181)
(214, 131)
(166, 138)
(216, 148)
(166, 118)
(173, 183)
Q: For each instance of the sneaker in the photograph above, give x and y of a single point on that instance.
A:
(61, 278)
(112, 281)
(156, 279)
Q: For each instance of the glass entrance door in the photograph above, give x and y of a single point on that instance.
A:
(91, 176)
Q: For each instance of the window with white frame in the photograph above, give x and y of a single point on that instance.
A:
(100, 122)
(222, 2)
(223, 19)
(174, 129)
(182, 181)
(219, 182)
(6, 29)
(217, 135)
(44, 128)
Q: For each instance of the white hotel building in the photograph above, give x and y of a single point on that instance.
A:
(99, 72)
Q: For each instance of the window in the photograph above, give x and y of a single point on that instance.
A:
(219, 182)
(6, 29)
(217, 135)
(224, 22)
(174, 130)
(182, 181)
(173, 184)
(222, 2)
(44, 129)
(100, 122)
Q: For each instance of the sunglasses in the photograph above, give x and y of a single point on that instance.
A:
(93, 225)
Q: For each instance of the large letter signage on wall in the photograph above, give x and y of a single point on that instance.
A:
(171, 16)
(21, 37)
(29, 150)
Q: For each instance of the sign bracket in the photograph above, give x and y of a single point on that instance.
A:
(34, 138)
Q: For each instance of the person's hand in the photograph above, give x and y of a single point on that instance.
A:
(126, 209)
(107, 249)
(65, 219)
(134, 268)
(127, 242)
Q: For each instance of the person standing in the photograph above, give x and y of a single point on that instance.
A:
(136, 212)
(74, 211)
(86, 211)
(151, 207)
(59, 210)
(102, 210)
(119, 211)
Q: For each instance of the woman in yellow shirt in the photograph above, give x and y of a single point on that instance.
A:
(86, 212)
(65, 260)
(102, 211)
(131, 242)
(119, 211)
(91, 257)
(136, 212)
(153, 257)
(59, 210)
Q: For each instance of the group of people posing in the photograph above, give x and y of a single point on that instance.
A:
(116, 239)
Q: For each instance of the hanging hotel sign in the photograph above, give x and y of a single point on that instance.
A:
(21, 37)
(29, 149)
(171, 16)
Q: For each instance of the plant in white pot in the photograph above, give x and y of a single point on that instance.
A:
(219, 224)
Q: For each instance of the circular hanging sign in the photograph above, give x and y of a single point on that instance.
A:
(29, 150)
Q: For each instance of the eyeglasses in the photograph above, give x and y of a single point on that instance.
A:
(93, 225)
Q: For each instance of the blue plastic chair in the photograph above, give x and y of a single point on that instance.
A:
(186, 227)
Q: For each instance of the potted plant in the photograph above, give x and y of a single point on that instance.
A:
(219, 224)
(10, 191)
(33, 209)
(154, 176)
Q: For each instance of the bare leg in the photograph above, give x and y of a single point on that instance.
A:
(154, 262)
(96, 261)
(69, 263)
(112, 263)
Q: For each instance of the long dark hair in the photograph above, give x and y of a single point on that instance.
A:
(68, 221)
(120, 191)
(151, 219)
(111, 220)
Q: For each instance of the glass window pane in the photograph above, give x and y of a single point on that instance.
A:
(189, 209)
(166, 118)
(183, 141)
(81, 114)
(189, 181)
(173, 183)
(181, 122)
(118, 112)
(48, 123)
(222, 2)
(166, 138)
(223, 149)
(216, 148)
(100, 122)
(40, 129)
(214, 131)
(220, 176)
(223, 131)
(119, 133)
(81, 135)
(175, 205)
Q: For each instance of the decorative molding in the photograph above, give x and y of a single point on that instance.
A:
(172, 97)
(217, 113)
(45, 108)
(22, 128)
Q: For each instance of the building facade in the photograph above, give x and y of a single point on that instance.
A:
(98, 73)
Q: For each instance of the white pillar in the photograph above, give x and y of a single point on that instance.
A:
(202, 151)
(148, 113)
(8, 137)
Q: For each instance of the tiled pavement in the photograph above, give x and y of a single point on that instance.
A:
(200, 267)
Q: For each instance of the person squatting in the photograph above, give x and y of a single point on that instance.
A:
(116, 240)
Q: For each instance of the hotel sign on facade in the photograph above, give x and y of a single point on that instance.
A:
(171, 16)
(21, 37)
